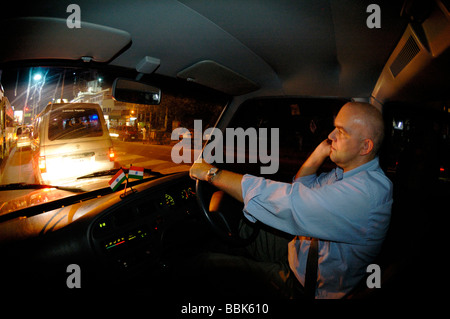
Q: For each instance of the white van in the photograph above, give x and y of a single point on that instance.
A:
(70, 140)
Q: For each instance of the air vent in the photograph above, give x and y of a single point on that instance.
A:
(409, 51)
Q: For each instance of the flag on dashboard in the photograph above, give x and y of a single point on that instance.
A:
(118, 179)
(136, 172)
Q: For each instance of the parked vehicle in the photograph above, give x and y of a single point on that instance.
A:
(124, 133)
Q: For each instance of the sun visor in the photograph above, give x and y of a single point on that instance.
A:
(219, 77)
(35, 38)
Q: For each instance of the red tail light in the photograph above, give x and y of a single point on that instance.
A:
(111, 154)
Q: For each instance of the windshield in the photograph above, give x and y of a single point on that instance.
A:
(61, 127)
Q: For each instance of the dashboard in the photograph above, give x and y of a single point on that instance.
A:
(139, 230)
(111, 238)
(133, 232)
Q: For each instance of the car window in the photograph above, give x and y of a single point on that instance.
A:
(74, 123)
(302, 124)
(417, 144)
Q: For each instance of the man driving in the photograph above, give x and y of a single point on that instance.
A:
(345, 211)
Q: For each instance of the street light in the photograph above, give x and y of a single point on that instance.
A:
(37, 77)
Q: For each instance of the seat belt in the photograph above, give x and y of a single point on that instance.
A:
(311, 269)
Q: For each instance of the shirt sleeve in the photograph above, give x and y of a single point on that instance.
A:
(308, 180)
(335, 212)
(314, 181)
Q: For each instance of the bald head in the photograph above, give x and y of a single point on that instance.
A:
(357, 136)
(368, 120)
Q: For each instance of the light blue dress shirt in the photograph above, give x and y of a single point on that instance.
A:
(348, 212)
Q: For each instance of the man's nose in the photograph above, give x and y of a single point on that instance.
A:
(332, 135)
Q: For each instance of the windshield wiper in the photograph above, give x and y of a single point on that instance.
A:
(17, 186)
(115, 170)
(100, 173)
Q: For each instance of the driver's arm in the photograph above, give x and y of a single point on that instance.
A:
(230, 182)
(226, 181)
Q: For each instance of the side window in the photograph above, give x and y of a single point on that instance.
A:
(416, 156)
(417, 146)
(301, 124)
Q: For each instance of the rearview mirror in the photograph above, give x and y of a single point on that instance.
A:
(131, 91)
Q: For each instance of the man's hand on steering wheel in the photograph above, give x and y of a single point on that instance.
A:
(228, 182)
(199, 170)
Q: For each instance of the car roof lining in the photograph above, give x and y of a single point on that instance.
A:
(50, 38)
(314, 48)
(313, 44)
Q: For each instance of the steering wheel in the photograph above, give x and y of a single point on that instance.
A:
(226, 226)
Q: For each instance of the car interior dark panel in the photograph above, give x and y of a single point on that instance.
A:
(120, 239)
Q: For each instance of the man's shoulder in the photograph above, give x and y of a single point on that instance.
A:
(372, 172)
(377, 175)
(377, 183)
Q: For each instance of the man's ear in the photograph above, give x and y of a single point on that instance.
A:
(367, 147)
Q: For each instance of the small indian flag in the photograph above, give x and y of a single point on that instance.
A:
(136, 172)
(118, 179)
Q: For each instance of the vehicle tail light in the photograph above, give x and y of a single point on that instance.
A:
(111, 154)
(42, 164)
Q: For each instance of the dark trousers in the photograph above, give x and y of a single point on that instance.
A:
(259, 270)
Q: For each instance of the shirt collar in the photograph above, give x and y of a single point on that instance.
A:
(369, 166)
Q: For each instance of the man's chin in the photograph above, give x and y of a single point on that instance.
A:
(335, 160)
(332, 156)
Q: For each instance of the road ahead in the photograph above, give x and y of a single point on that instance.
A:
(18, 167)
(156, 157)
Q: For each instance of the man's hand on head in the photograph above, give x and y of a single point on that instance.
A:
(315, 160)
(323, 150)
